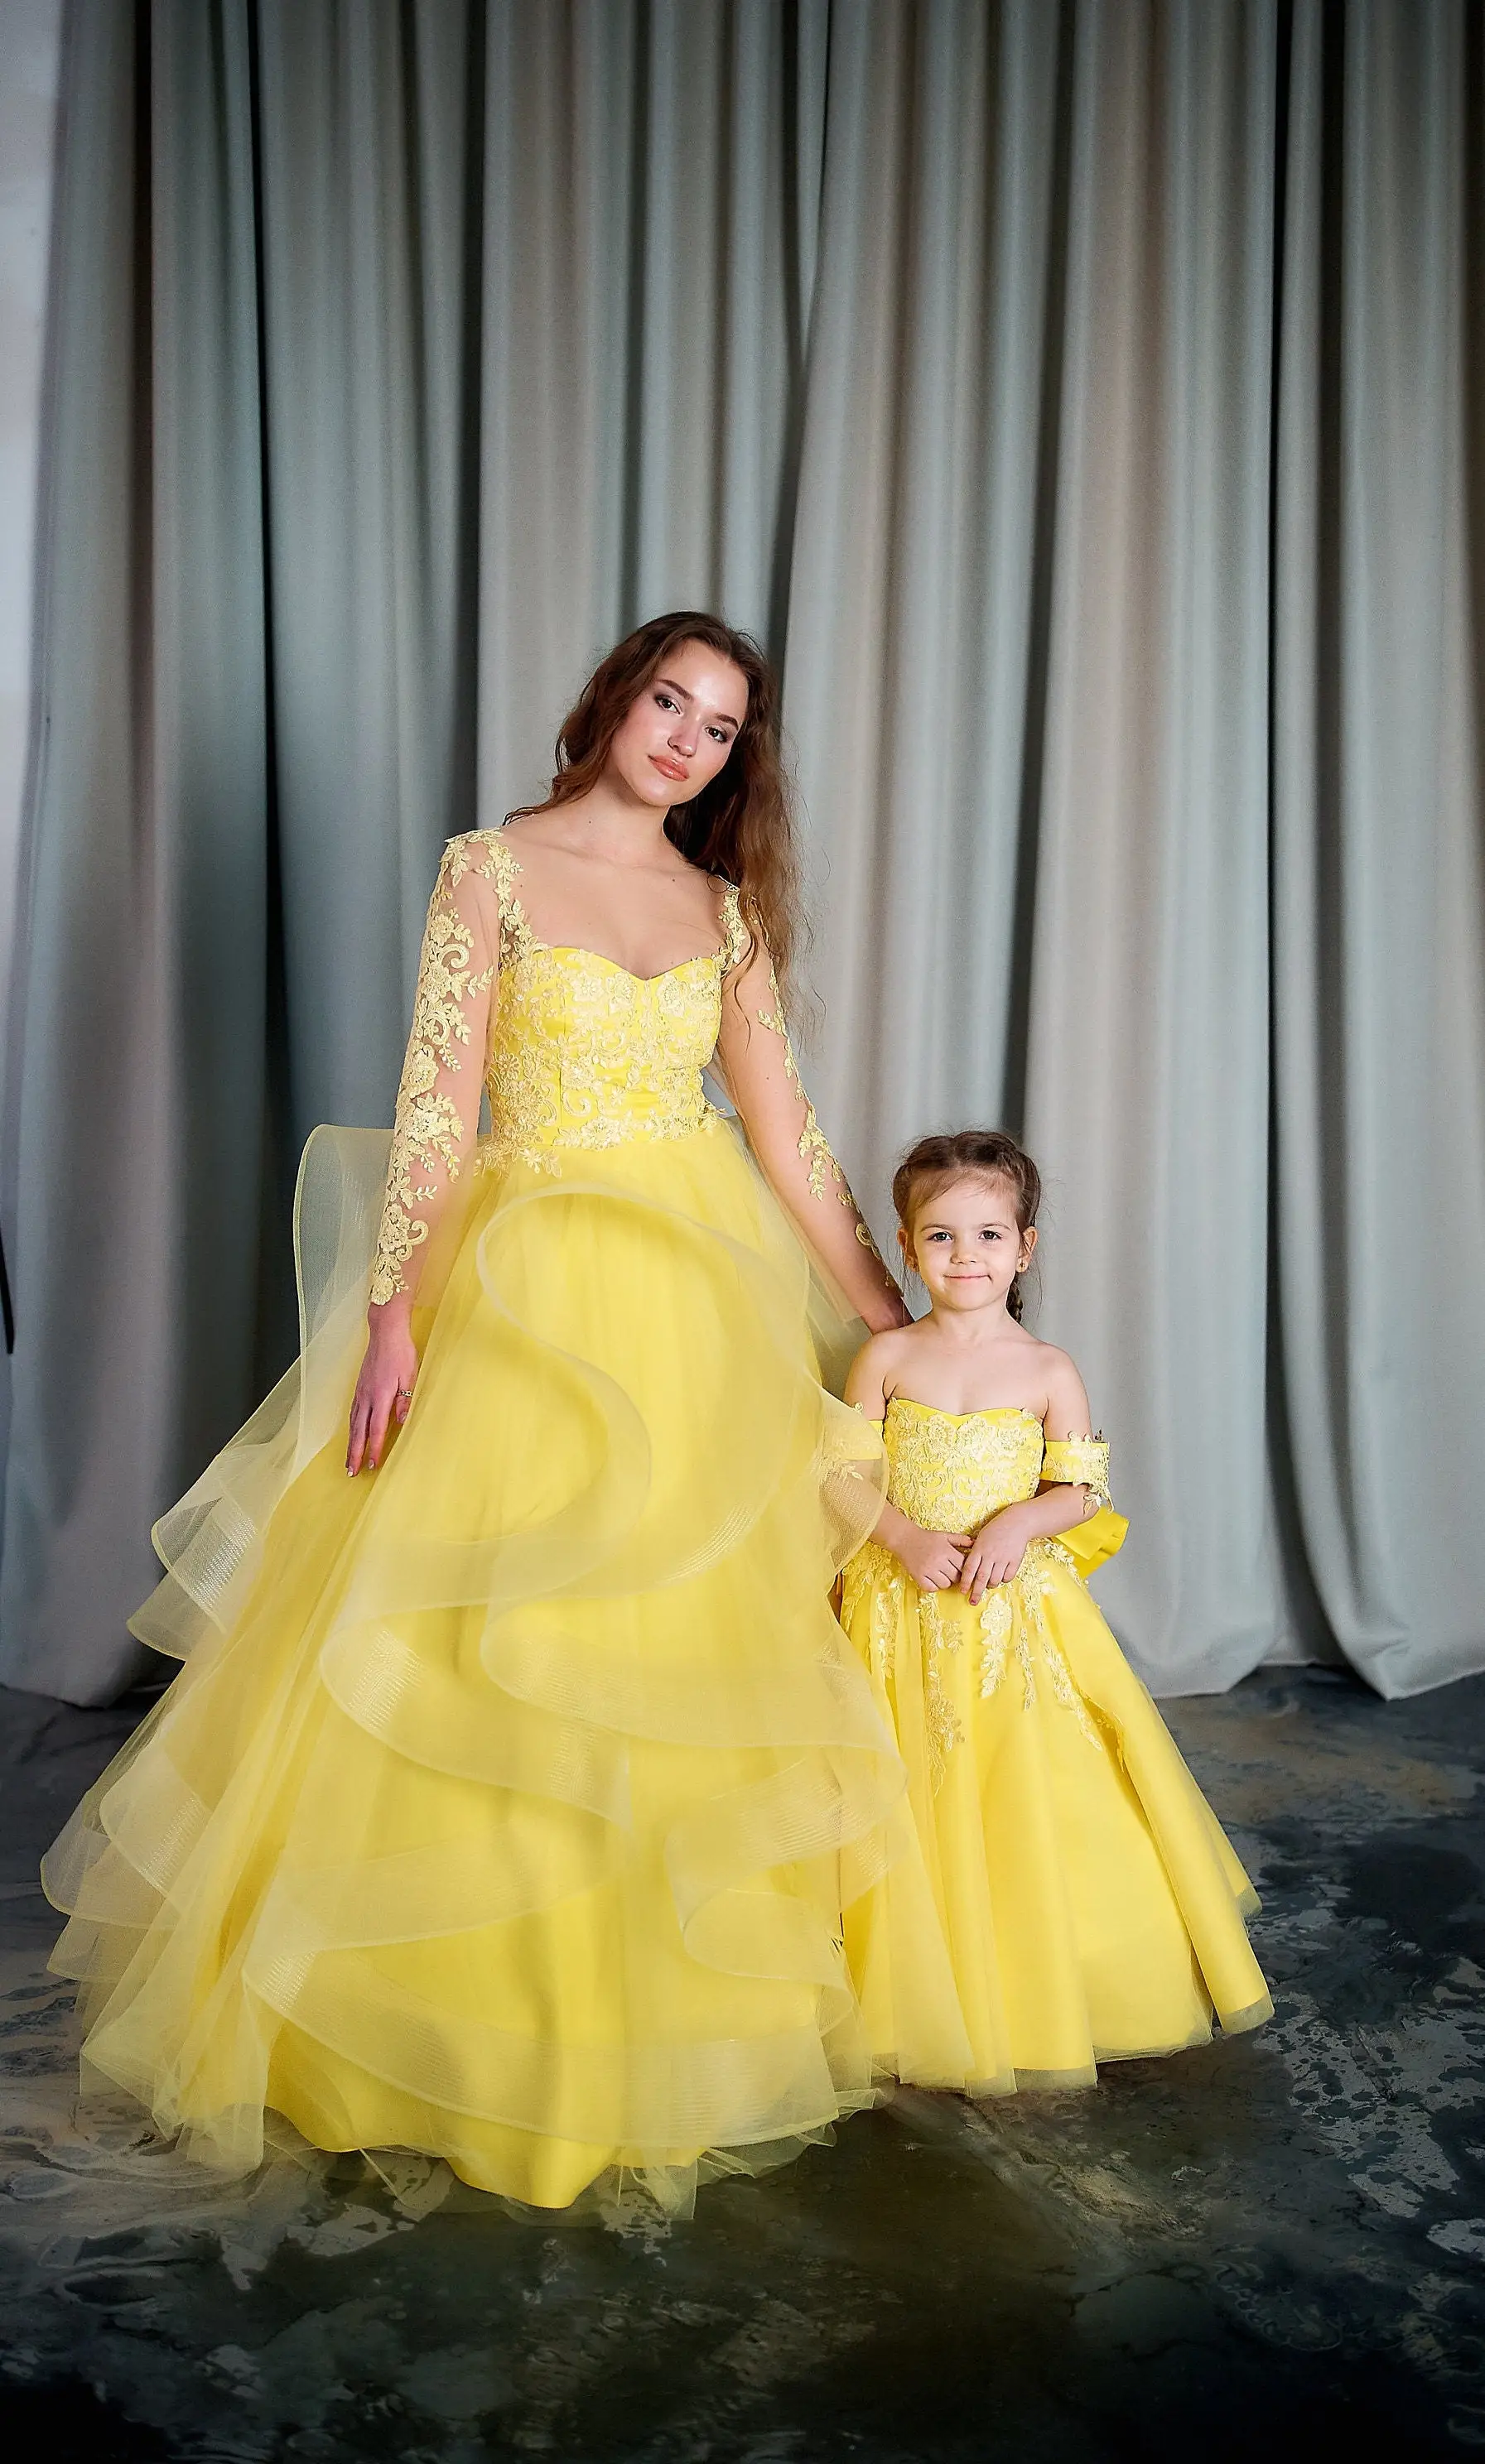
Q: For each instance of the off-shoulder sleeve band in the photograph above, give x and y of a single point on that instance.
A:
(1082, 1460)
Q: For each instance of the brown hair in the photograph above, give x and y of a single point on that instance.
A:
(969, 1155)
(742, 823)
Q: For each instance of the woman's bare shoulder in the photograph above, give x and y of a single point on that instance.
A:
(530, 832)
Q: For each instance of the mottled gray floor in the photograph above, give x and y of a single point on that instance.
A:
(1236, 2252)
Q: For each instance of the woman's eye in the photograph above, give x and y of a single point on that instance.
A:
(666, 702)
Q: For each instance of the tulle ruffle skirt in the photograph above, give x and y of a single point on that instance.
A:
(1076, 1900)
(507, 1801)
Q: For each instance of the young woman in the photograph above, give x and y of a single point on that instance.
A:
(1075, 1900)
(505, 1804)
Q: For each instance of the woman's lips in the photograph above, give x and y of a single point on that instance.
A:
(669, 769)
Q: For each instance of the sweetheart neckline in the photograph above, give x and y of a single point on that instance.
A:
(600, 958)
(988, 1412)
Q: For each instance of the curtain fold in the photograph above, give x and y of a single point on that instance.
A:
(369, 145)
(651, 209)
(1380, 923)
(1083, 399)
(137, 1135)
(1147, 1067)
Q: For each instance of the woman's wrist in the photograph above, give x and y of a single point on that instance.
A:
(391, 1318)
(886, 1310)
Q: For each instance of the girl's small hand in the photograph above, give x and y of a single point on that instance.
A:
(994, 1555)
(384, 1389)
(933, 1558)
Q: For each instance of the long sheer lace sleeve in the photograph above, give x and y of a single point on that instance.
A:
(437, 1116)
(756, 1058)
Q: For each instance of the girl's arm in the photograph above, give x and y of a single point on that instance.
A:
(1063, 1500)
(435, 1124)
(933, 1558)
(756, 1059)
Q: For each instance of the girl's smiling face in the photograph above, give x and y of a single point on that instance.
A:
(678, 732)
(966, 1243)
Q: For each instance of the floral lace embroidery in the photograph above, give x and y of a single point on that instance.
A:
(487, 851)
(814, 1145)
(737, 939)
(952, 1472)
(1084, 1462)
(586, 1056)
(1031, 1635)
(874, 1578)
(581, 1053)
(940, 1634)
(995, 1628)
(428, 1130)
(874, 1575)
(1013, 1623)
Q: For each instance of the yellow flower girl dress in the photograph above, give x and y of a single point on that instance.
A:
(1087, 1907)
(504, 1804)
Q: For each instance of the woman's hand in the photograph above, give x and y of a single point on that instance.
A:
(933, 1558)
(384, 1389)
(994, 1555)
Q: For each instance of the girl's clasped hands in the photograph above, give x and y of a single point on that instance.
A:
(973, 1563)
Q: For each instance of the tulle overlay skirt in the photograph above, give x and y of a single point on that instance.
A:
(1076, 1900)
(508, 1800)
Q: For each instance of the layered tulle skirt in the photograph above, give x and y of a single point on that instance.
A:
(508, 1798)
(1074, 1900)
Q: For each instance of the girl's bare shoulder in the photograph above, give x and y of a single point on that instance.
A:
(1049, 1356)
(877, 1366)
(894, 1344)
(1058, 1375)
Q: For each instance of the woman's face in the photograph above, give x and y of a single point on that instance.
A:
(680, 730)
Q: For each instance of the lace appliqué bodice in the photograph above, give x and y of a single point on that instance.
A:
(579, 1053)
(950, 1472)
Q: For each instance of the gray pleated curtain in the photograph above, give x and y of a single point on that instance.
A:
(1086, 405)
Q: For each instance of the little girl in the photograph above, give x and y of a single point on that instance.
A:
(1074, 1900)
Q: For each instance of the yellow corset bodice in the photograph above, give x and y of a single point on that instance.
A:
(950, 1471)
(584, 1054)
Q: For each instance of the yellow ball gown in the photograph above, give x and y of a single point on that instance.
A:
(505, 1803)
(1084, 1906)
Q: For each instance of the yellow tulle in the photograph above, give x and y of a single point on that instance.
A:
(506, 1803)
(1076, 1900)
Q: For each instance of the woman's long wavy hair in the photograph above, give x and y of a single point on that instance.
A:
(742, 825)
